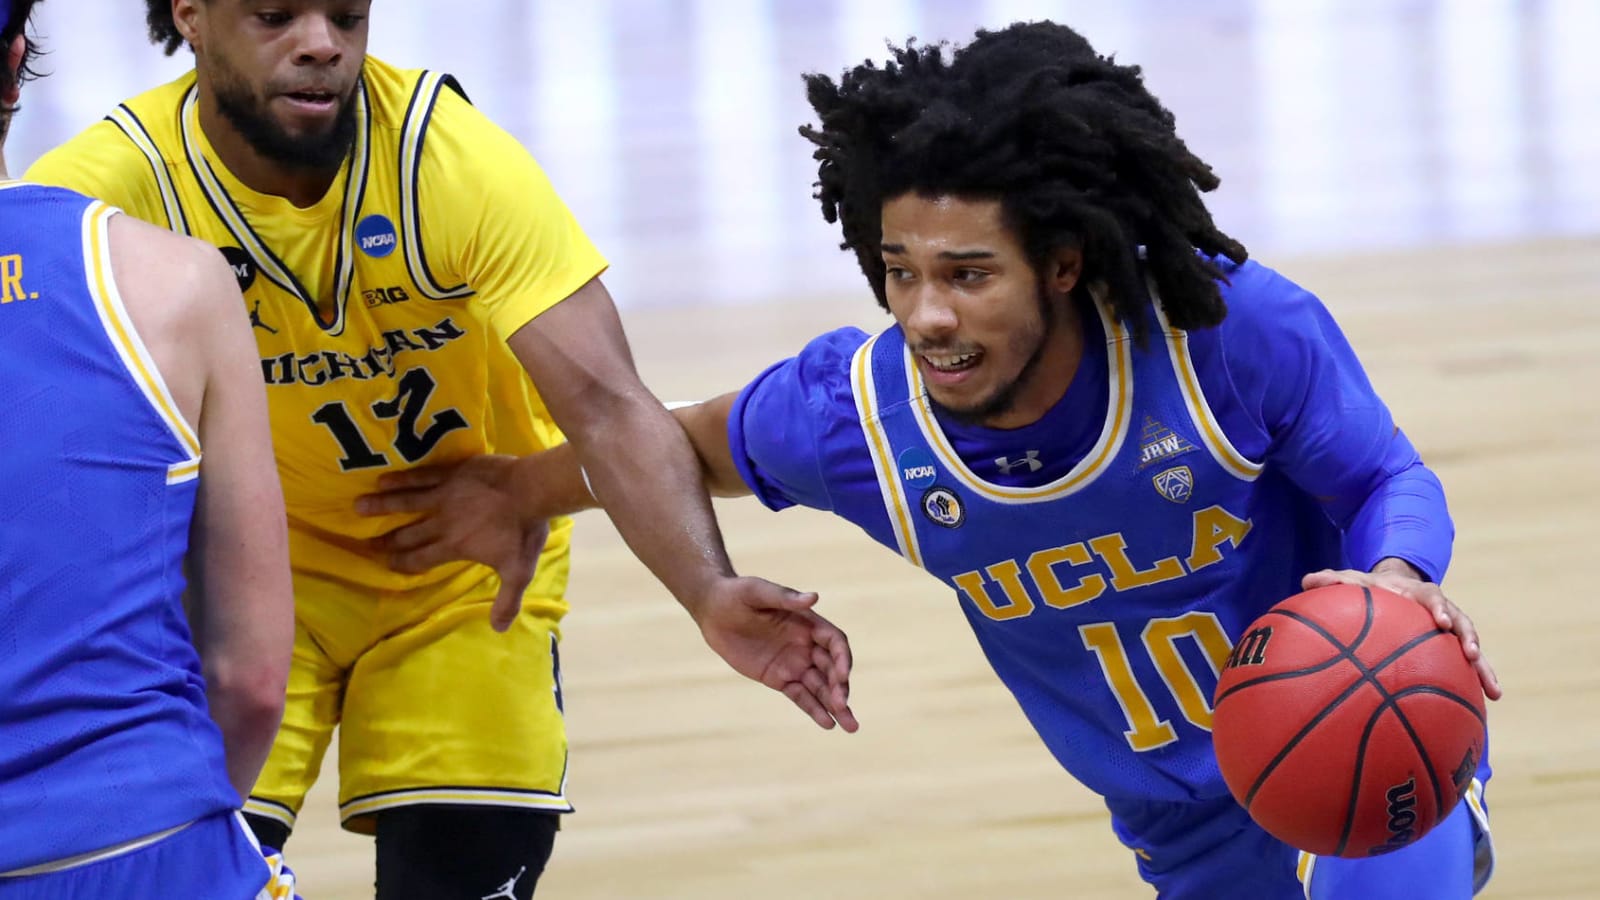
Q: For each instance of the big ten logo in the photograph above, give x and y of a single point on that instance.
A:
(1107, 561)
(385, 295)
(1402, 809)
(1251, 649)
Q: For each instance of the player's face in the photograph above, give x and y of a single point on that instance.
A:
(283, 72)
(987, 330)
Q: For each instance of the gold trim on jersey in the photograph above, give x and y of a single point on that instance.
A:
(1211, 434)
(129, 124)
(889, 485)
(1303, 868)
(1119, 411)
(267, 262)
(465, 796)
(124, 337)
(418, 113)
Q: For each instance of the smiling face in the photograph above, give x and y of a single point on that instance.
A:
(991, 336)
(283, 72)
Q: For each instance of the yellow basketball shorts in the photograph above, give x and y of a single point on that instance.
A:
(432, 705)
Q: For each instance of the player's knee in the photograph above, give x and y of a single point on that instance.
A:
(268, 832)
(466, 851)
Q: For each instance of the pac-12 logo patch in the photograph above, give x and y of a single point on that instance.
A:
(943, 507)
(916, 467)
(1175, 484)
(375, 235)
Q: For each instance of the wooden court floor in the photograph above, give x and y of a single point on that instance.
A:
(692, 783)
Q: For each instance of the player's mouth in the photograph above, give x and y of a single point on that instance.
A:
(313, 103)
(946, 368)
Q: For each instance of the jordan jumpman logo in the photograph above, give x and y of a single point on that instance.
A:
(505, 890)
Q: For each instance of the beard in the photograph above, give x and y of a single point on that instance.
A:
(248, 114)
(1004, 397)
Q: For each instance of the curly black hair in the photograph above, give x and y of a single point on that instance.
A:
(163, 32)
(1075, 148)
(16, 23)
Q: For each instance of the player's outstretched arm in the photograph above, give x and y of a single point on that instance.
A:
(240, 597)
(648, 468)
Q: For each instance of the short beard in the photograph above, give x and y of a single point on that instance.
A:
(1003, 400)
(311, 153)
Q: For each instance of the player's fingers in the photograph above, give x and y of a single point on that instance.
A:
(414, 479)
(836, 646)
(1326, 577)
(788, 598)
(410, 537)
(411, 501)
(797, 694)
(845, 716)
(1491, 681)
(421, 559)
(507, 604)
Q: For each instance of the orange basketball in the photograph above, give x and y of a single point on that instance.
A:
(1346, 723)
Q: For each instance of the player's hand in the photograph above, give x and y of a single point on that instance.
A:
(770, 634)
(468, 513)
(1398, 576)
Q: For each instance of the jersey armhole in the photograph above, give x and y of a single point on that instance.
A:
(124, 337)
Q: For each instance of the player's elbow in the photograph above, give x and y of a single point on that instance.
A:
(249, 694)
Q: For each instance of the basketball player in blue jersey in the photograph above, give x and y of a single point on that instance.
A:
(124, 752)
(1117, 439)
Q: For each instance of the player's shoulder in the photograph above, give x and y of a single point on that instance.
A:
(816, 379)
(403, 98)
(825, 361)
(1263, 304)
(188, 270)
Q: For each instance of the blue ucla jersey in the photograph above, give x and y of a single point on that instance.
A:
(104, 734)
(1107, 556)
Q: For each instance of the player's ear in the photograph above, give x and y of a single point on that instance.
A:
(186, 18)
(1063, 268)
(14, 54)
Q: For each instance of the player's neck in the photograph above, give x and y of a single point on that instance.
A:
(302, 187)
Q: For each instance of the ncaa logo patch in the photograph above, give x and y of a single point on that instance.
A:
(375, 235)
(916, 467)
(1175, 484)
(943, 507)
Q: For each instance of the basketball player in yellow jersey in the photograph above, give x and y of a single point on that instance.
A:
(406, 267)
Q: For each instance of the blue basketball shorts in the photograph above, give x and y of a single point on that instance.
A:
(216, 858)
(1202, 850)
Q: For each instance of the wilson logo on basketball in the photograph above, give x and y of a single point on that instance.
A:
(1251, 649)
(1402, 817)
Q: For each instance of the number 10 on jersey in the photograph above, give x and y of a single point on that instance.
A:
(1160, 637)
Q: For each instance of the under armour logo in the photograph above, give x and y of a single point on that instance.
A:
(505, 890)
(1029, 460)
(255, 320)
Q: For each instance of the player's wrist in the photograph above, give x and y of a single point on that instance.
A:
(1394, 565)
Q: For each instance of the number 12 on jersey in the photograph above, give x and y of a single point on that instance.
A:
(406, 408)
(1147, 730)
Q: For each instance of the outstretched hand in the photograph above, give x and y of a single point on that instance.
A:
(1398, 576)
(770, 634)
(469, 512)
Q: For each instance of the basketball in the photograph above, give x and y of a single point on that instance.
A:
(1346, 722)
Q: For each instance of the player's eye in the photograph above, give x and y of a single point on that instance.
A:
(897, 273)
(970, 276)
(347, 21)
(273, 18)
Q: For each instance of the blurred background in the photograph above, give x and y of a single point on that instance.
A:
(670, 125)
(1431, 168)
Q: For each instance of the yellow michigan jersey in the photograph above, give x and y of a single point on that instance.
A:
(381, 313)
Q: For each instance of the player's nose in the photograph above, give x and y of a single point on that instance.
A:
(317, 40)
(931, 314)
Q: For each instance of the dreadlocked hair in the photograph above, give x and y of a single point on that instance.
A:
(163, 31)
(1073, 146)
